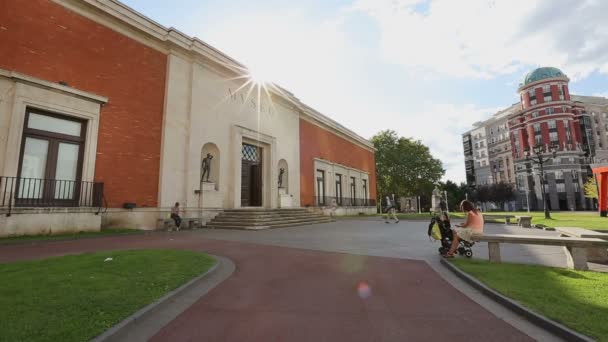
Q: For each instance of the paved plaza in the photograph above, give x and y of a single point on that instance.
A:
(350, 280)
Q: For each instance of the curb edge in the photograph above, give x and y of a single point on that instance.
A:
(162, 302)
(537, 319)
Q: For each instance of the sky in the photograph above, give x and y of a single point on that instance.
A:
(427, 69)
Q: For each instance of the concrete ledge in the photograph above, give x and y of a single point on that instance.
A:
(539, 320)
(145, 323)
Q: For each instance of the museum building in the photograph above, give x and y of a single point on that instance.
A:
(107, 119)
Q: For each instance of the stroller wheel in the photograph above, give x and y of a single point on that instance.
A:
(468, 253)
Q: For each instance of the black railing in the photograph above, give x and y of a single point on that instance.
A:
(35, 192)
(328, 201)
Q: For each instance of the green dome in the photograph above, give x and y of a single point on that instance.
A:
(541, 74)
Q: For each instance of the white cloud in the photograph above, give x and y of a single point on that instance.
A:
(485, 38)
(327, 70)
(440, 127)
(602, 94)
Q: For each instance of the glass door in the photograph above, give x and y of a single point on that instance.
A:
(33, 168)
(51, 158)
(66, 171)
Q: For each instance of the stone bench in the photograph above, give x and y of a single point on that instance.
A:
(494, 218)
(576, 248)
(594, 254)
(524, 221)
(169, 224)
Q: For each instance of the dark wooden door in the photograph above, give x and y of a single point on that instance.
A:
(251, 176)
(256, 186)
(245, 183)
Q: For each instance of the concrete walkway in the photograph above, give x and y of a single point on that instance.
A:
(369, 293)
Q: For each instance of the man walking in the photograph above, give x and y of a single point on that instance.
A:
(391, 208)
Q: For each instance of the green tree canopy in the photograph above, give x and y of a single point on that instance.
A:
(591, 188)
(456, 193)
(403, 166)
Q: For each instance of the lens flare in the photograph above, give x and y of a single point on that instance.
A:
(364, 290)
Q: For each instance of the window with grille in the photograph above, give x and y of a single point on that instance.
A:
(251, 153)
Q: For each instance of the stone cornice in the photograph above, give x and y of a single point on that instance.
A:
(543, 105)
(171, 40)
(313, 116)
(21, 78)
(543, 81)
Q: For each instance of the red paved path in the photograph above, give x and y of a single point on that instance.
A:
(284, 294)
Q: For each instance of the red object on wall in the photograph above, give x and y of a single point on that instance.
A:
(316, 142)
(45, 40)
(601, 174)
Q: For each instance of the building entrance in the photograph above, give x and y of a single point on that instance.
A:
(251, 176)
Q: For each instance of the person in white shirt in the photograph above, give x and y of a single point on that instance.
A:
(391, 208)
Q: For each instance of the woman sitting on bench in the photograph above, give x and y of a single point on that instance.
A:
(472, 225)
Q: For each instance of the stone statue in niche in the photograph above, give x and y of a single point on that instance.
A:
(206, 167)
(281, 172)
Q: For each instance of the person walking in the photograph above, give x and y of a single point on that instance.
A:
(175, 215)
(391, 208)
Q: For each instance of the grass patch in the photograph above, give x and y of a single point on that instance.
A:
(67, 236)
(577, 299)
(75, 298)
(588, 220)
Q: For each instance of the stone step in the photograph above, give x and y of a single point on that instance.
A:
(268, 216)
(264, 209)
(212, 226)
(264, 219)
(265, 223)
(274, 212)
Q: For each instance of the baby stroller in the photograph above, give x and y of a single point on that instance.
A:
(445, 236)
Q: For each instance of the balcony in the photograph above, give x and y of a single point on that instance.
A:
(49, 193)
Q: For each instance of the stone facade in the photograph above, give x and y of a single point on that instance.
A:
(154, 103)
(547, 115)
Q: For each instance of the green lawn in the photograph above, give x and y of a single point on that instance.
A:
(67, 236)
(588, 220)
(577, 299)
(75, 298)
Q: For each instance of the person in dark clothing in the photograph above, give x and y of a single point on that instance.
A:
(391, 208)
(175, 215)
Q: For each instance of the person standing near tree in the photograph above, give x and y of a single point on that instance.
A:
(391, 208)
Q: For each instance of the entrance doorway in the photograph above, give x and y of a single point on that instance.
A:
(251, 176)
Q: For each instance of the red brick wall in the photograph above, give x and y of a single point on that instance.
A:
(45, 40)
(316, 142)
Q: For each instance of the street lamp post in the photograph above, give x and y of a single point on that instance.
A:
(527, 193)
(540, 159)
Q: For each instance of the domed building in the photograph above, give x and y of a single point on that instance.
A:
(550, 120)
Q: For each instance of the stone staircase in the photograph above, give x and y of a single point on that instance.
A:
(258, 219)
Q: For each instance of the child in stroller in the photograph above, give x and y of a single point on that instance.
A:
(442, 220)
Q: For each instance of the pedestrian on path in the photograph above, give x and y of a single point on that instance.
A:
(175, 215)
(391, 208)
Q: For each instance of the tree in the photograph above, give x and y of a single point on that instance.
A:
(456, 193)
(591, 188)
(481, 194)
(500, 193)
(403, 166)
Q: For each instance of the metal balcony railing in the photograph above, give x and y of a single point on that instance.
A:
(36, 193)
